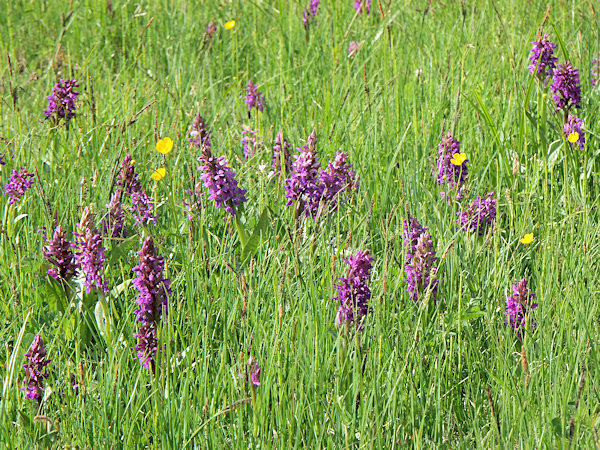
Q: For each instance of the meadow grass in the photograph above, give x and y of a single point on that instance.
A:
(419, 374)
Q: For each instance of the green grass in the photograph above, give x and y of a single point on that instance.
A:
(418, 374)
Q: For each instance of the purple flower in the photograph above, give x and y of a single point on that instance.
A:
(200, 134)
(566, 89)
(251, 141)
(128, 179)
(18, 184)
(519, 306)
(454, 176)
(309, 14)
(211, 29)
(2, 163)
(412, 230)
(154, 290)
(479, 215)
(35, 370)
(74, 384)
(353, 292)
(420, 271)
(113, 223)
(143, 207)
(303, 186)
(89, 257)
(542, 58)
(575, 125)
(353, 48)
(281, 153)
(253, 372)
(595, 71)
(220, 182)
(358, 5)
(58, 252)
(337, 179)
(62, 102)
(254, 99)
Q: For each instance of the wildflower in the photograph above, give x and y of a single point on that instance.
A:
(359, 4)
(479, 215)
(451, 165)
(220, 182)
(542, 58)
(143, 206)
(58, 252)
(200, 134)
(251, 142)
(89, 256)
(253, 372)
(113, 224)
(519, 306)
(527, 239)
(74, 383)
(62, 102)
(566, 89)
(35, 370)
(254, 99)
(338, 178)
(281, 153)
(420, 271)
(164, 146)
(353, 292)
(128, 179)
(595, 71)
(412, 230)
(573, 130)
(353, 48)
(303, 185)
(154, 290)
(229, 25)
(310, 13)
(211, 29)
(159, 174)
(18, 184)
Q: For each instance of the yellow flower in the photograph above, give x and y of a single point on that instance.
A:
(229, 25)
(164, 146)
(573, 137)
(527, 239)
(159, 174)
(458, 159)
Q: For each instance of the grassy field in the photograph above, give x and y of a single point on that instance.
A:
(450, 373)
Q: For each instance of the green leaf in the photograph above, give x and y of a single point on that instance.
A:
(260, 227)
(241, 231)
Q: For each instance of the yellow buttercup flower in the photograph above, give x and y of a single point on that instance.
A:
(159, 174)
(527, 239)
(164, 146)
(458, 159)
(229, 25)
(573, 137)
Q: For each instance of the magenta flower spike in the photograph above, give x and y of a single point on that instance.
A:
(63, 101)
(18, 184)
(35, 370)
(519, 307)
(353, 291)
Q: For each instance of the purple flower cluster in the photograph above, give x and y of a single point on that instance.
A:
(58, 252)
(220, 182)
(479, 215)
(142, 204)
(89, 256)
(63, 101)
(281, 153)
(353, 292)
(18, 184)
(358, 5)
(253, 372)
(154, 290)
(113, 225)
(542, 58)
(420, 259)
(338, 178)
(251, 142)
(453, 175)
(310, 13)
(211, 29)
(575, 125)
(353, 48)
(254, 99)
(200, 134)
(35, 370)
(519, 306)
(566, 89)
